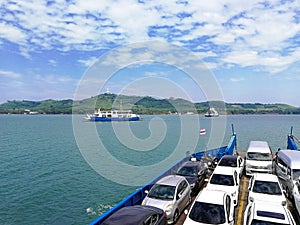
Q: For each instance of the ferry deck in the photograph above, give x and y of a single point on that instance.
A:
(242, 203)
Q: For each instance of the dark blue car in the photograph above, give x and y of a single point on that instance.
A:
(195, 172)
(137, 215)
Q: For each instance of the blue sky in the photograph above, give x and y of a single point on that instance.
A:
(251, 48)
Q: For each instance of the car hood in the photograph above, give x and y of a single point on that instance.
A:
(228, 189)
(258, 163)
(191, 179)
(162, 204)
(267, 197)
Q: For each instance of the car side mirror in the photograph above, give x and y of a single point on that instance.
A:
(186, 211)
(146, 191)
(178, 196)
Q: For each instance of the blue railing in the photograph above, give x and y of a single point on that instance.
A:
(291, 144)
(137, 197)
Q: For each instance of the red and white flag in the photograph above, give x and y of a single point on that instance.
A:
(202, 132)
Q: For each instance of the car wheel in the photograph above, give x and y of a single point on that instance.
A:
(176, 216)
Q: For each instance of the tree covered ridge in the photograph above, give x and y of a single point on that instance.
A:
(142, 105)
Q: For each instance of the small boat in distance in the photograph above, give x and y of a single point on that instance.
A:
(212, 112)
(112, 115)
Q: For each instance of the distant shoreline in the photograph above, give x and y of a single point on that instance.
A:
(141, 105)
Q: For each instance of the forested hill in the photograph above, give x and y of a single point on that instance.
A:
(141, 105)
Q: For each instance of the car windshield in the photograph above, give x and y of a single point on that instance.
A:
(267, 187)
(296, 174)
(260, 222)
(207, 213)
(259, 156)
(228, 162)
(187, 171)
(164, 192)
(221, 179)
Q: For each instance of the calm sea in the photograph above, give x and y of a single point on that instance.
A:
(50, 166)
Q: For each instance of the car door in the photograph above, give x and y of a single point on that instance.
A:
(229, 210)
(241, 166)
(296, 195)
(280, 169)
(182, 195)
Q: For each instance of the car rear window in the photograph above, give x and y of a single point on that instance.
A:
(221, 179)
(228, 162)
(266, 187)
(207, 213)
(270, 214)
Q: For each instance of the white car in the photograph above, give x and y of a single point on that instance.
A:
(266, 188)
(211, 207)
(225, 179)
(257, 213)
(234, 161)
(296, 195)
(172, 194)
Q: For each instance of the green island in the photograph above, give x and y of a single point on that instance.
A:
(140, 105)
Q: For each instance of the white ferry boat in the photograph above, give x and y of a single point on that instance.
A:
(112, 115)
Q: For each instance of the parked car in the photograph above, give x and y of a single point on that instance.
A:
(296, 195)
(225, 179)
(266, 188)
(211, 207)
(258, 213)
(137, 215)
(234, 161)
(171, 194)
(287, 168)
(195, 172)
(258, 158)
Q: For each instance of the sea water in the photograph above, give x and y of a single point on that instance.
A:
(47, 177)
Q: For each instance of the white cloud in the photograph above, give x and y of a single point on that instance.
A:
(9, 74)
(237, 79)
(88, 62)
(230, 31)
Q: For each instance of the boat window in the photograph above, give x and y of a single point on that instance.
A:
(221, 179)
(267, 187)
(207, 213)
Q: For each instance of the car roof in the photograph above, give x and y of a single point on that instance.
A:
(270, 212)
(228, 160)
(131, 215)
(259, 146)
(291, 157)
(229, 157)
(190, 164)
(265, 177)
(211, 196)
(224, 170)
(171, 180)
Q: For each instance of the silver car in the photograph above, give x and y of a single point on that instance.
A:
(171, 194)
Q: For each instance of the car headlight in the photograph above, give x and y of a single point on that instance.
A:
(169, 209)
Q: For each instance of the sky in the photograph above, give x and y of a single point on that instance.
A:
(250, 48)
